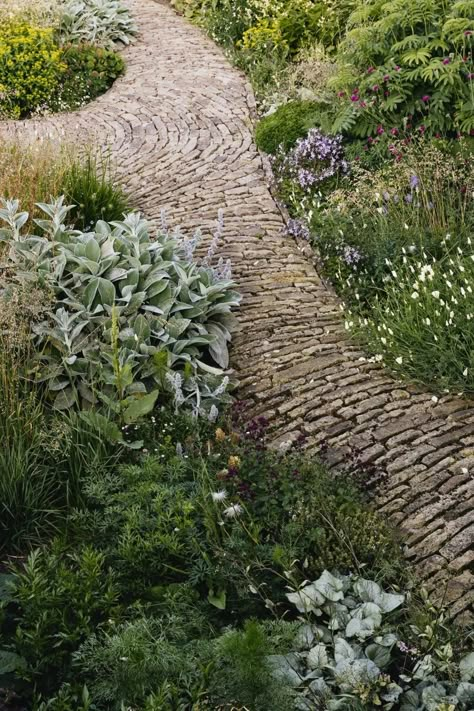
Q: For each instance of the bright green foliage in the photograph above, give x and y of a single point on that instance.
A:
(90, 71)
(30, 68)
(147, 519)
(245, 672)
(132, 317)
(408, 64)
(147, 660)
(60, 599)
(99, 22)
(288, 123)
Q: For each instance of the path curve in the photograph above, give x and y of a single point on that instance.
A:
(178, 125)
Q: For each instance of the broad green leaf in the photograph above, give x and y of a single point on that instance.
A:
(140, 407)
(10, 662)
(217, 599)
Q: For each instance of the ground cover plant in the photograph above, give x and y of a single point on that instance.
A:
(179, 568)
(59, 55)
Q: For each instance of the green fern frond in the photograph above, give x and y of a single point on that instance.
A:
(422, 55)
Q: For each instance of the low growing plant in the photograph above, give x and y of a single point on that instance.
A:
(89, 72)
(349, 656)
(283, 127)
(132, 318)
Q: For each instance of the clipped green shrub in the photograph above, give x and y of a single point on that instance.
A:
(30, 68)
(407, 65)
(90, 71)
(133, 318)
(284, 126)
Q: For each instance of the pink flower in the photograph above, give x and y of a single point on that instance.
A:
(375, 87)
(425, 98)
(354, 97)
(370, 70)
(341, 93)
(397, 68)
(446, 60)
(470, 76)
(437, 135)
(468, 32)
(386, 77)
(394, 131)
(422, 129)
(363, 104)
(380, 130)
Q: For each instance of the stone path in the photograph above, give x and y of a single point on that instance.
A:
(178, 126)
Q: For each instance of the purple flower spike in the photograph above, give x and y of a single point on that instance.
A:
(414, 182)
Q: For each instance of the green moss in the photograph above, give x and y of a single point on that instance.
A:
(288, 123)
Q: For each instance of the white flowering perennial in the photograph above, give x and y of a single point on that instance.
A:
(422, 325)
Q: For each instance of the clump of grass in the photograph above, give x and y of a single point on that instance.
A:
(43, 12)
(34, 172)
(87, 184)
(28, 488)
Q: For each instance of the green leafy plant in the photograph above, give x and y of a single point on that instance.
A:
(89, 187)
(30, 68)
(98, 22)
(90, 71)
(411, 66)
(283, 127)
(132, 318)
(57, 599)
(348, 654)
(144, 660)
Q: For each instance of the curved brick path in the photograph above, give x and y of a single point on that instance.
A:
(178, 126)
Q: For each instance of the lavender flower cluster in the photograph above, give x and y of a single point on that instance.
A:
(314, 159)
(297, 229)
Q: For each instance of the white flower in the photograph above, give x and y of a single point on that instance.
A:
(219, 495)
(465, 371)
(233, 511)
(435, 294)
(399, 360)
(415, 295)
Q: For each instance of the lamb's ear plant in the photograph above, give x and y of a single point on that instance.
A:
(99, 22)
(132, 318)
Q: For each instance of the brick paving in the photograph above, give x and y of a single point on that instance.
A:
(179, 128)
